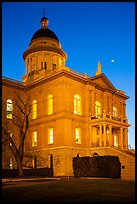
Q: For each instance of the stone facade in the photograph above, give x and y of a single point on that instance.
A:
(73, 114)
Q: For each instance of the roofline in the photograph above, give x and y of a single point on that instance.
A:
(70, 74)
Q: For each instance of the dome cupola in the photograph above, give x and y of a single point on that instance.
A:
(44, 54)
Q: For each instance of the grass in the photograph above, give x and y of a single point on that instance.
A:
(73, 190)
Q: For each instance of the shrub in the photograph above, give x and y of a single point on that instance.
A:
(99, 166)
(11, 173)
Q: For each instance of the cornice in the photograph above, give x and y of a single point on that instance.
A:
(56, 75)
(12, 83)
(44, 48)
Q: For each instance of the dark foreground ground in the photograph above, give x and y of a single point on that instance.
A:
(69, 190)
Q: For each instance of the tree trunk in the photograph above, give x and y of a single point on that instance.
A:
(20, 167)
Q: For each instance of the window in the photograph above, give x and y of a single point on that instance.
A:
(34, 109)
(10, 133)
(115, 111)
(77, 104)
(54, 66)
(50, 104)
(42, 65)
(34, 139)
(60, 61)
(11, 163)
(97, 108)
(77, 136)
(115, 141)
(45, 65)
(50, 136)
(9, 108)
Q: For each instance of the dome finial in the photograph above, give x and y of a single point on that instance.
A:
(44, 21)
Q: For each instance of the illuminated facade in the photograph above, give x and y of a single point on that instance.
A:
(71, 113)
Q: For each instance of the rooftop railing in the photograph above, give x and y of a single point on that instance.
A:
(11, 80)
(108, 116)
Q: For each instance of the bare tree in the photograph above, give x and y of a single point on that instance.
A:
(19, 123)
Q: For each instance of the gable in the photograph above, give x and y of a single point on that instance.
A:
(102, 81)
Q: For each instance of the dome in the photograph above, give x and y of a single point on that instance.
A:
(44, 32)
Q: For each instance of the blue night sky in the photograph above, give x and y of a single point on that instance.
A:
(88, 32)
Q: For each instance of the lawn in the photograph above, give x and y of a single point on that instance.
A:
(73, 190)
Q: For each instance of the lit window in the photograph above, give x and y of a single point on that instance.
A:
(34, 109)
(34, 139)
(10, 133)
(9, 108)
(115, 141)
(50, 136)
(60, 61)
(77, 104)
(115, 111)
(11, 163)
(50, 104)
(77, 136)
(97, 108)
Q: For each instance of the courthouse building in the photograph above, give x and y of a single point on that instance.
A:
(72, 113)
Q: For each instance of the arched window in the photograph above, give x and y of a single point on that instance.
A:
(9, 108)
(34, 109)
(98, 108)
(115, 112)
(50, 104)
(77, 104)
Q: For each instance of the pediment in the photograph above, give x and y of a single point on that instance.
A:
(102, 81)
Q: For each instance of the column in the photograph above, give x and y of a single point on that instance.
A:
(90, 98)
(125, 138)
(93, 102)
(105, 103)
(104, 128)
(30, 64)
(36, 59)
(121, 138)
(90, 130)
(100, 135)
(111, 140)
(110, 106)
